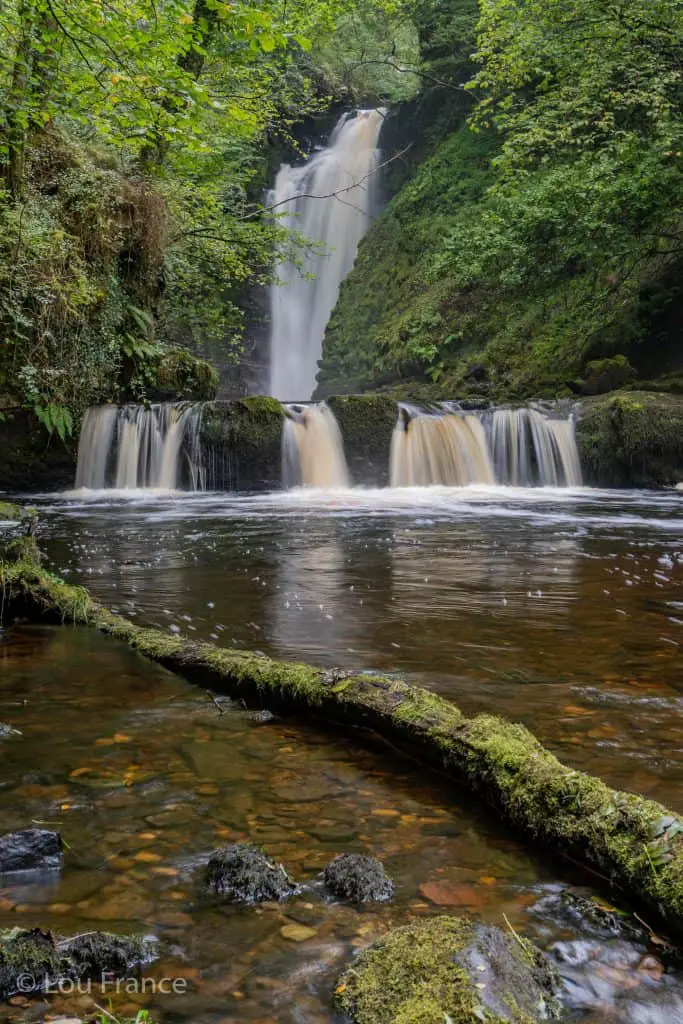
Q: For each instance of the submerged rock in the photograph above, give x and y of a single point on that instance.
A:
(449, 969)
(243, 874)
(358, 879)
(29, 850)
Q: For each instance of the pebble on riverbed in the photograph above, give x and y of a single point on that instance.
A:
(356, 878)
(243, 874)
(30, 850)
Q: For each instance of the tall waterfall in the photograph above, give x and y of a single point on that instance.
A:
(302, 302)
(516, 447)
(135, 446)
(312, 448)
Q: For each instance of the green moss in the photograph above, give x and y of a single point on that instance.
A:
(242, 441)
(423, 974)
(367, 424)
(632, 439)
(10, 512)
(181, 375)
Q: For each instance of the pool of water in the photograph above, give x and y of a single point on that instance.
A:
(560, 609)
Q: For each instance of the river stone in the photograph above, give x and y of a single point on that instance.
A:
(448, 969)
(7, 730)
(30, 849)
(358, 879)
(95, 953)
(28, 962)
(243, 874)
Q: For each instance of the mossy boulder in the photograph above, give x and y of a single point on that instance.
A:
(244, 874)
(30, 961)
(241, 443)
(604, 375)
(632, 439)
(181, 375)
(356, 878)
(449, 969)
(367, 423)
(93, 954)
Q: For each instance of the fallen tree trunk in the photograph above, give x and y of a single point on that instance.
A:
(635, 844)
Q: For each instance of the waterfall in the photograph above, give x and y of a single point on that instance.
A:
(302, 301)
(530, 449)
(312, 448)
(446, 449)
(136, 446)
(516, 447)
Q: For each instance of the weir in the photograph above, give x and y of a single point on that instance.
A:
(312, 448)
(137, 446)
(329, 202)
(513, 447)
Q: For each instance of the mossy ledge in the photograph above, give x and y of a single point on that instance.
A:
(635, 844)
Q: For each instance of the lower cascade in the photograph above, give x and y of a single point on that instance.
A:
(514, 447)
(312, 448)
(137, 446)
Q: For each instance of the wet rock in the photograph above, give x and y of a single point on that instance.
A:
(96, 953)
(7, 730)
(243, 874)
(358, 879)
(30, 849)
(591, 915)
(448, 968)
(29, 962)
(297, 932)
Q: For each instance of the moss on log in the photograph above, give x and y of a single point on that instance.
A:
(635, 844)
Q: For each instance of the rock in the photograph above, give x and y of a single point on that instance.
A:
(28, 963)
(297, 932)
(30, 850)
(7, 730)
(358, 879)
(95, 953)
(243, 874)
(605, 375)
(448, 968)
(592, 915)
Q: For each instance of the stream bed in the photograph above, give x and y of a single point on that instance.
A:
(561, 609)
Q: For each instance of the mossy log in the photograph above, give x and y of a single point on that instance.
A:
(634, 844)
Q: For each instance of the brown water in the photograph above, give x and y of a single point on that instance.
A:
(563, 610)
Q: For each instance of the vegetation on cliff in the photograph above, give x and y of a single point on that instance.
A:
(561, 243)
(134, 141)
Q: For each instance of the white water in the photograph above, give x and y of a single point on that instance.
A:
(302, 302)
(513, 447)
(313, 449)
(135, 446)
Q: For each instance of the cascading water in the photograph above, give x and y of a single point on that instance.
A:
(530, 449)
(446, 449)
(312, 448)
(516, 447)
(134, 446)
(302, 302)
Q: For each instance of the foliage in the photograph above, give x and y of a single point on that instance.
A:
(580, 224)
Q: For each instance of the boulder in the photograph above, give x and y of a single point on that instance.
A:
(29, 962)
(29, 850)
(449, 969)
(243, 874)
(355, 878)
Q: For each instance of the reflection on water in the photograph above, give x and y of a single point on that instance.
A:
(563, 609)
(144, 777)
